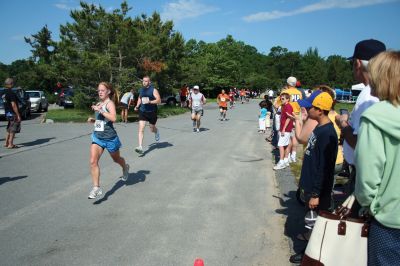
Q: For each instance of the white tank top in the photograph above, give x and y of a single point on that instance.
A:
(197, 101)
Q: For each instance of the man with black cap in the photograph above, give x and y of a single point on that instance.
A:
(363, 52)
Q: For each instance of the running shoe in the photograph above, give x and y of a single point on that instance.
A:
(96, 191)
(194, 129)
(280, 165)
(125, 173)
(157, 135)
(293, 158)
(198, 130)
(139, 149)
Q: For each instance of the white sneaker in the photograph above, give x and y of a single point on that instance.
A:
(125, 173)
(290, 160)
(96, 191)
(287, 164)
(280, 165)
(198, 130)
(139, 149)
(293, 159)
(157, 135)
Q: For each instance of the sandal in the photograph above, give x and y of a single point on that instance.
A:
(304, 236)
(13, 147)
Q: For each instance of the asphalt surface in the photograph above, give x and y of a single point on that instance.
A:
(210, 195)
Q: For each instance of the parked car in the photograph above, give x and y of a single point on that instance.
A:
(38, 101)
(171, 99)
(24, 103)
(65, 98)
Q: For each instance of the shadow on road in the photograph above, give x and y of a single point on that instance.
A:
(294, 219)
(36, 142)
(157, 145)
(9, 179)
(133, 179)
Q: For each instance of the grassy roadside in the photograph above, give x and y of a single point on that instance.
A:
(81, 116)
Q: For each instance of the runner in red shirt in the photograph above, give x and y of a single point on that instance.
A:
(231, 98)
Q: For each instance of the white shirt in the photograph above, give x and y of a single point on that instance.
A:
(197, 100)
(127, 97)
(364, 100)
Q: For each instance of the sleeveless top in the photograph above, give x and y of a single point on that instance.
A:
(197, 103)
(146, 95)
(103, 128)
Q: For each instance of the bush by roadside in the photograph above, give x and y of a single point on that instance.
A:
(81, 116)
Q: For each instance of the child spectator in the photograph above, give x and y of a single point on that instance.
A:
(317, 172)
(262, 117)
(286, 126)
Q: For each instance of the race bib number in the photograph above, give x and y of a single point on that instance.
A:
(99, 125)
(145, 100)
(196, 104)
(222, 99)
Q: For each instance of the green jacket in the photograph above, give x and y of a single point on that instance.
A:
(377, 159)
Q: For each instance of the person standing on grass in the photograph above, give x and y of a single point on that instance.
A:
(12, 114)
(104, 137)
(196, 102)
(126, 100)
(147, 106)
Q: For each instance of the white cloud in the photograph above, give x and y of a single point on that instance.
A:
(209, 33)
(183, 9)
(322, 5)
(63, 6)
(19, 37)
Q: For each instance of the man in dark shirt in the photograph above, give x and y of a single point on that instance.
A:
(12, 114)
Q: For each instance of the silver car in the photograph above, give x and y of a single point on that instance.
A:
(38, 101)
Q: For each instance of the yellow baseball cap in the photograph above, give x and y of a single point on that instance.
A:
(323, 101)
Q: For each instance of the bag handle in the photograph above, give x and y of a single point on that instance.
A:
(344, 210)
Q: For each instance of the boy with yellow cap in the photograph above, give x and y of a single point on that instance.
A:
(317, 172)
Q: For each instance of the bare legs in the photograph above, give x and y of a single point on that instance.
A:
(95, 153)
(142, 125)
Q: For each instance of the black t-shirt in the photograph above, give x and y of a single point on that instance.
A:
(9, 96)
(317, 172)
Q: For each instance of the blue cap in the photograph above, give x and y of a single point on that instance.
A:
(307, 103)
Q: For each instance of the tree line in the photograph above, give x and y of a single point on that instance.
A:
(111, 46)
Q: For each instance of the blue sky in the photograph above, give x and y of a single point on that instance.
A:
(332, 26)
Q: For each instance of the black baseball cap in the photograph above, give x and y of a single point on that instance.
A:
(367, 49)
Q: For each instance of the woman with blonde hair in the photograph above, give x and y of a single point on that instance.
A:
(377, 157)
(104, 137)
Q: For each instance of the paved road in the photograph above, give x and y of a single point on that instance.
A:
(210, 194)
